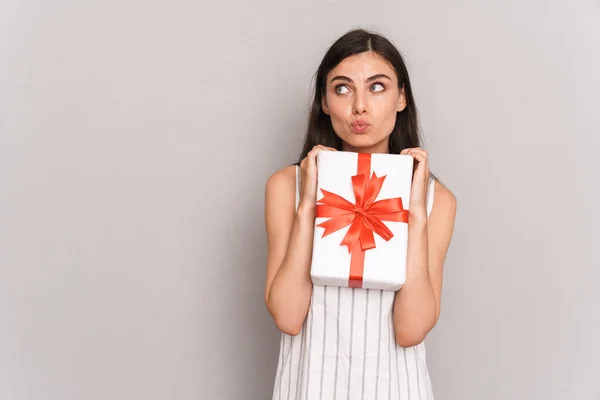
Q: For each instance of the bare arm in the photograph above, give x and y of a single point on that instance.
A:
(289, 239)
(417, 304)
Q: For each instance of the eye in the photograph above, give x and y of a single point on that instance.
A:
(338, 87)
(378, 84)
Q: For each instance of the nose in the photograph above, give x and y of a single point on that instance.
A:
(360, 104)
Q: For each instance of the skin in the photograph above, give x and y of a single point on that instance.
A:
(352, 92)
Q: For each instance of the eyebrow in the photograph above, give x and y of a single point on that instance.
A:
(372, 78)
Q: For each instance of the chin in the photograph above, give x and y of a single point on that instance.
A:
(361, 140)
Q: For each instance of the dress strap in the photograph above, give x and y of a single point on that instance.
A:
(297, 186)
(430, 189)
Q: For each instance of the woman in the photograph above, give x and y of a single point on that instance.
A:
(352, 343)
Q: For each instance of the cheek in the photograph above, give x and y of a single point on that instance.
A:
(386, 113)
(339, 112)
(338, 108)
(339, 126)
(385, 105)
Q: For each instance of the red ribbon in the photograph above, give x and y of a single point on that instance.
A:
(365, 217)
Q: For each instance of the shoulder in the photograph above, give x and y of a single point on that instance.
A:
(444, 201)
(280, 188)
(283, 179)
(280, 198)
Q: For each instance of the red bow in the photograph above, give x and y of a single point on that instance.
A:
(365, 217)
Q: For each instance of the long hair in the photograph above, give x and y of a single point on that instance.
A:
(406, 132)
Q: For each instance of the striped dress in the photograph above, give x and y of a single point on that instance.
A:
(346, 348)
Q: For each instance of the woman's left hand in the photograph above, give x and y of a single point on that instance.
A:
(418, 191)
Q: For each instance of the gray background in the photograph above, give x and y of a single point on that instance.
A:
(136, 138)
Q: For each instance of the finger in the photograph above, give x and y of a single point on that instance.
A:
(323, 147)
(418, 150)
(418, 153)
(420, 158)
(313, 152)
(409, 150)
(317, 149)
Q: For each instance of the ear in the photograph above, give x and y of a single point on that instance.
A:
(402, 100)
(324, 104)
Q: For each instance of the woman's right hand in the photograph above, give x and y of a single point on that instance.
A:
(308, 178)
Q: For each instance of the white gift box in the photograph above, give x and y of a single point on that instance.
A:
(384, 265)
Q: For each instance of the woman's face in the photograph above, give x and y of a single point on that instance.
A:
(362, 99)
